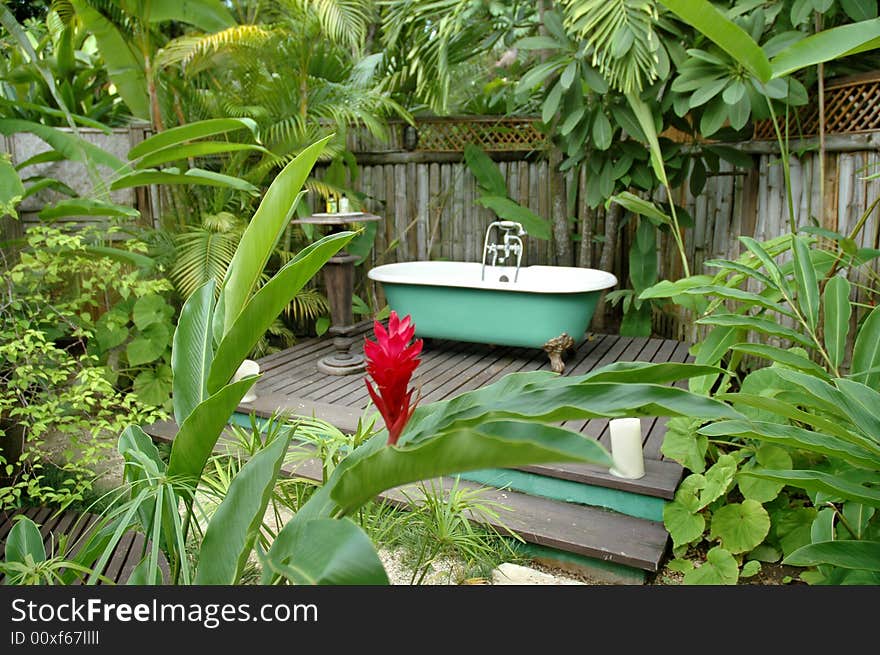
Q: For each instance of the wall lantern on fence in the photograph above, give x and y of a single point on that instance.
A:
(410, 137)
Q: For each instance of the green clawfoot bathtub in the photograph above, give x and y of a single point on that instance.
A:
(548, 307)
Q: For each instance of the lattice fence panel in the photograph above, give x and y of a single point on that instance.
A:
(492, 135)
(849, 108)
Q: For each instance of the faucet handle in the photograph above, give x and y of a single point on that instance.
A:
(513, 225)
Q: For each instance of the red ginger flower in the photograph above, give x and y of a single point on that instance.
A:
(391, 360)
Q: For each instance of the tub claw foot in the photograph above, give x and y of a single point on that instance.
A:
(556, 348)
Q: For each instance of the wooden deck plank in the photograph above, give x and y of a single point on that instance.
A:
(317, 384)
(118, 558)
(453, 378)
(354, 392)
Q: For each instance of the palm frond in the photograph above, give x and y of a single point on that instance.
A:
(204, 252)
(621, 37)
(343, 21)
(185, 49)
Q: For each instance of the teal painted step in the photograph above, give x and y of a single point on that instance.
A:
(624, 502)
(598, 569)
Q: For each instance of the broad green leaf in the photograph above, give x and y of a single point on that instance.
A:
(707, 91)
(149, 345)
(571, 120)
(124, 67)
(548, 111)
(743, 270)
(740, 526)
(198, 434)
(266, 304)
(790, 411)
(719, 478)
(192, 351)
(150, 309)
(110, 331)
(836, 312)
(568, 74)
(805, 276)
(711, 352)
(327, 552)
(374, 467)
(859, 10)
(189, 132)
(546, 397)
(862, 405)
(25, 540)
(858, 518)
(127, 256)
(261, 234)
(763, 325)
(235, 526)
(670, 289)
(786, 357)
(192, 150)
(720, 568)
(791, 526)
(683, 444)
(827, 45)
(195, 176)
(764, 491)
(729, 36)
(861, 555)
(688, 493)
(750, 568)
(852, 450)
(85, 207)
(649, 373)
(764, 257)
(715, 345)
(207, 15)
(683, 526)
(645, 119)
(866, 351)
(640, 206)
(813, 481)
(11, 188)
(153, 386)
(486, 171)
(507, 209)
(602, 131)
(643, 257)
(733, 293)
(636, 322)
(538, 43)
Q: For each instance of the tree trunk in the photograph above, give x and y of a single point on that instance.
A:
(587, 215)
(606, 262)
(558, 217)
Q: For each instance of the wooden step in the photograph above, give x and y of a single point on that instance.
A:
(583, 530)
(661, 477)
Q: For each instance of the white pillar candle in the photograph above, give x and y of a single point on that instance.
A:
(626, 448)
(248, 367)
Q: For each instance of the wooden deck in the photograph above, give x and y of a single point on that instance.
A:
(576, 510)
(74, 527)
(291, 380)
